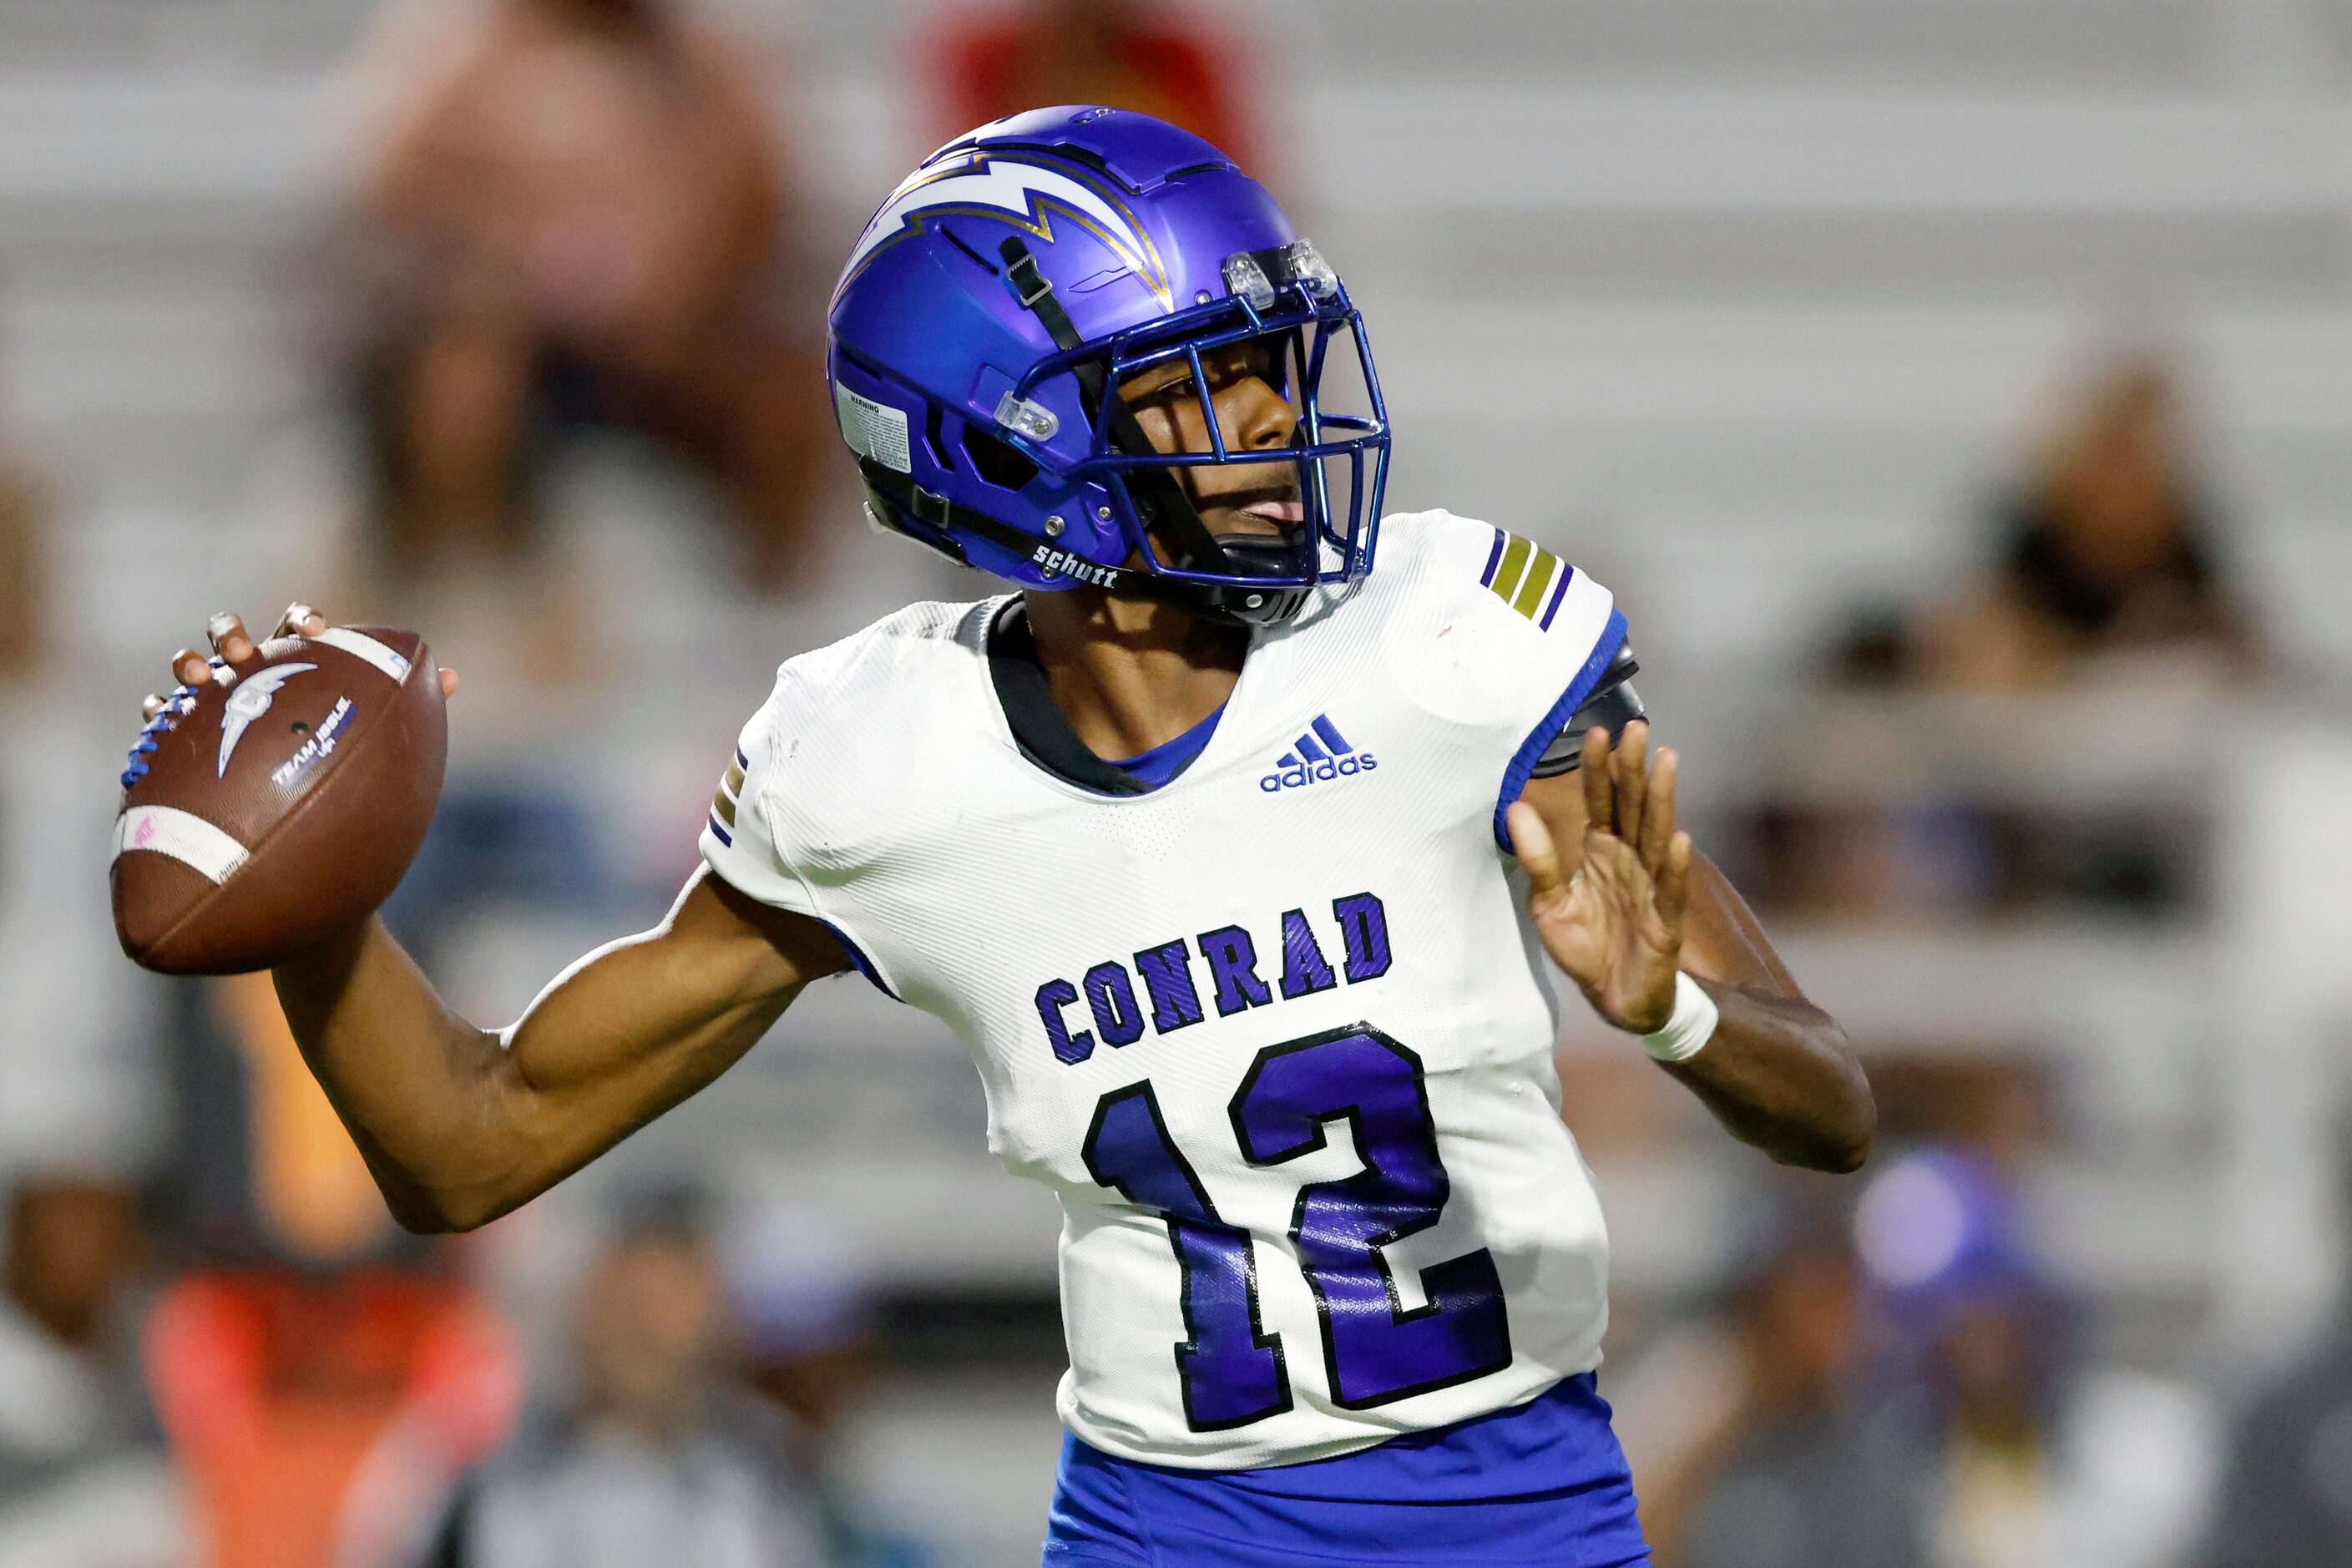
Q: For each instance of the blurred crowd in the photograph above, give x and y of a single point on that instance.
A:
(587, 217)
(585, 212)
(266, 1373)
(1901, 1381)
(2105, 554)
(2105, 577)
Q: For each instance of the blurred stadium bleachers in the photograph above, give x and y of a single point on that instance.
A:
(1745, 305)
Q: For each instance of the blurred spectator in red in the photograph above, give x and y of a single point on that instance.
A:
(576, 211)
(320, 1377)
(2105, 555)
(656, 1458)
(83, 1482)
(1789, 1474)
(1156, 58)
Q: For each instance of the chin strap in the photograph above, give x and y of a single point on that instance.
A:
(901, 499)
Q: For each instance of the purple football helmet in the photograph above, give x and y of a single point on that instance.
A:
(991, 310)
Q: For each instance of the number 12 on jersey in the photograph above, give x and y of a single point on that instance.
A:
(1375, 1349)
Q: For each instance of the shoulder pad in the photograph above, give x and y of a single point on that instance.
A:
(1612, 705)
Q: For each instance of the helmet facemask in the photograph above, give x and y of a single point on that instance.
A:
(1296, 330)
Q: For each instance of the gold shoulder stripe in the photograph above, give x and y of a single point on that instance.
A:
(1523, 574)
(1505, 580)
(731, 789)
(1540, 575)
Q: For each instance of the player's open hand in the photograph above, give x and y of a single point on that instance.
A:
(1615, 924)
(235, 647)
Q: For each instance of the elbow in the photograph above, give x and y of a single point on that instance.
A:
(427, 1211)
(1839, 1137)
(1838, 1152)
(1843, 1142)
(424, 1215)
(1846, 1154)
(1861, 1129)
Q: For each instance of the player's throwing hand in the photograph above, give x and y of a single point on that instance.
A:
(236, 645)
(1614, 923)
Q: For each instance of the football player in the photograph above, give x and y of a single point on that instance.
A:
(1233, 843)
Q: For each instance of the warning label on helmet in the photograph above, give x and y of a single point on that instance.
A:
(874, 429)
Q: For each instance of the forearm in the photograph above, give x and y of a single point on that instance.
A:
(418, 1088)
(1776, 1070)
(460, 1124)
(1779, 1074)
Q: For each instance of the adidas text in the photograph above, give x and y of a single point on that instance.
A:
(1308, 773)
(1321, 752)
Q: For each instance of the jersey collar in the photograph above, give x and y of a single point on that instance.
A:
(1045, 735)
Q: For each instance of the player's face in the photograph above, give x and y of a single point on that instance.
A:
(1237, 499)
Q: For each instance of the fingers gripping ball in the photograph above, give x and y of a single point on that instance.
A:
(279, 801)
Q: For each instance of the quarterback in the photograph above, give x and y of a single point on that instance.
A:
(1237, 845)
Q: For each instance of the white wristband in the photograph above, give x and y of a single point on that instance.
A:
(1693, 1024)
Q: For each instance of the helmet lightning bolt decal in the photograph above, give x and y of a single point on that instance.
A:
(987, 185)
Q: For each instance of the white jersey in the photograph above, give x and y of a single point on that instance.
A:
(1278, 1033)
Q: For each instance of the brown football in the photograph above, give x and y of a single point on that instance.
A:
(261, 816)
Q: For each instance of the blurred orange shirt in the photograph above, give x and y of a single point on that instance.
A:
(278, 1389)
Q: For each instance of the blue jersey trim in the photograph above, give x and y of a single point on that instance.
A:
(856, 954)
(1157, 766)
(1531, 750)
(1567, 574)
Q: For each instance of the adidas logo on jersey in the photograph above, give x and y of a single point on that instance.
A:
(1322, 753)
